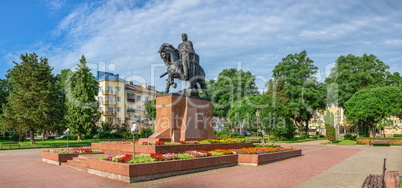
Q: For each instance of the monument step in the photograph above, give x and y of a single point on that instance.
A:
(72, 165)
(77, 162)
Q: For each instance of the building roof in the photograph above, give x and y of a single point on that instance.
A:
(140, 88)
(100, 75)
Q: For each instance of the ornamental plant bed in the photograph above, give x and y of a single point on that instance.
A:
(258, 159)
(147, 171)
(57, 156)
(121, 149)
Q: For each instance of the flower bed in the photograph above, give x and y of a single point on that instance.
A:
(365, 140)
(57, 156)
(155, 166)
(114, 148)
(153, 170)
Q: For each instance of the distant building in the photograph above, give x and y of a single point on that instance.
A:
(122, 102)
(317, 124)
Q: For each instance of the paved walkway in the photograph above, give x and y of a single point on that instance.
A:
(320, 166)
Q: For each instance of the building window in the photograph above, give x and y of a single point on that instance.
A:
(118, 89)
(110, 120)
(110, 98)
(110, 88)
(138, 98)
(100, 88)
(110, 109)
(118, 120)
(146, 99)
(118, 99)
(118, 109)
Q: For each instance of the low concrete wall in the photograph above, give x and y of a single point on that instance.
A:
(57, 158)
(147, 171)
(258, 159)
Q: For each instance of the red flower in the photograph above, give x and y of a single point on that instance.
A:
(126, 158)
(182, 142)
(202, 151)
(159, 143)
(157, 157)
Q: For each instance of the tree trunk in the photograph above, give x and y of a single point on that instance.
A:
(306, 130)
(43, 135)
(32, 137)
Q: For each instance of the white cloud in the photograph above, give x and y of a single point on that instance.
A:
(257, 33)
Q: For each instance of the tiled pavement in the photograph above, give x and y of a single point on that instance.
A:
(320, 166)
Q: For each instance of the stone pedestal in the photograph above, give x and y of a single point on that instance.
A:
(182, 118)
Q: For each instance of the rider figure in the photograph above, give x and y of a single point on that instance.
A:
(185, 49)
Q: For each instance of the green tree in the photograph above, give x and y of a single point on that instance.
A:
(230, 86)
(351, 74)
(273, 118)
(394, 79)
(61, 93)
(82, 106)
(151, 109)
(3, 93)
(31, 104)
(330, 133)
(371, 108)
(295, 75)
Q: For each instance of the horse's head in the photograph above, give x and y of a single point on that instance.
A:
(168, 54)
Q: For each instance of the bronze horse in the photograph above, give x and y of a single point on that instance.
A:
(170, 56)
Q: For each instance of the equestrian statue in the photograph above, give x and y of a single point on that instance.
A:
(183, 64)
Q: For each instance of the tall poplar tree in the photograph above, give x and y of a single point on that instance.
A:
(81, 91)
(31, 103)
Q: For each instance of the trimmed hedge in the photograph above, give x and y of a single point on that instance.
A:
(397, 135)
(364, 140)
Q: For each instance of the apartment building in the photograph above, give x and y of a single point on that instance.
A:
(122, 101)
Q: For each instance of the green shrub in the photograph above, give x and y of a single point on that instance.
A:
(237, 135)
(214, 153)
(17, 137)
(185, 156)
(397, 135)
(51, 137)
(330, 133)
(145, 133)
(222, 134)
(349, 137)
(314, 137)
(171, 143)
(322, 136)
(106, 134)
(142, 159)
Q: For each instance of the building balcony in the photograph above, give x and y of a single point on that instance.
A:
(130, 100)
(130, 111)
(108, 92)
(107, 113)
(109, 102)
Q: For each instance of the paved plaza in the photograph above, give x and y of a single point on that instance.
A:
(320, 166)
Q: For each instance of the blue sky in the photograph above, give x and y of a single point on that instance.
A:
(123, 37)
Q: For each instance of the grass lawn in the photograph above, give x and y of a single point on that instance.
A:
(342, 142)
(293, 140)
(52, 143)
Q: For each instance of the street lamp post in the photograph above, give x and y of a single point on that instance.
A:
(67, 133)
(134, 130)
